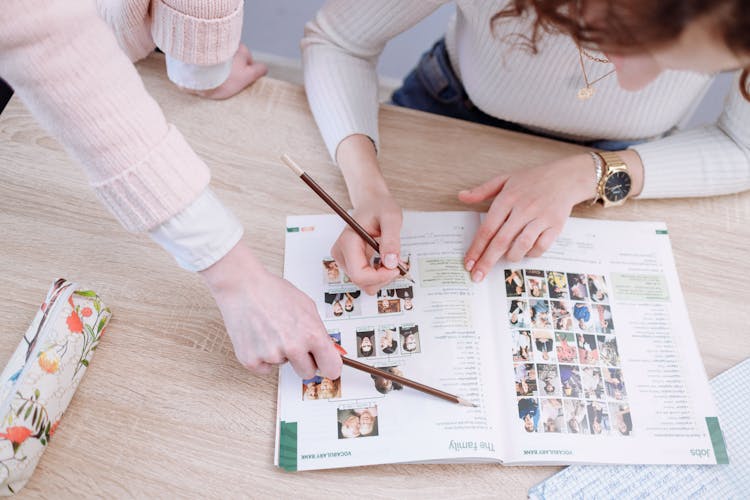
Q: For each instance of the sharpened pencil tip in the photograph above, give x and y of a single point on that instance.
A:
(463, 402)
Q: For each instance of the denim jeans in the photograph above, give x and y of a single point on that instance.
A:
(434, 87)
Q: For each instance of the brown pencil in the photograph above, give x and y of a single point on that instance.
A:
(339, 210)
(402, 380)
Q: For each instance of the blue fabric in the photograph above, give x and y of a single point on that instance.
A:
(433, 87)
(581, 312)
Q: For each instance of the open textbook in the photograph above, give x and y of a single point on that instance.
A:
(585, 355)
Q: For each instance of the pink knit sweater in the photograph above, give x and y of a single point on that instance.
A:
(73, 72)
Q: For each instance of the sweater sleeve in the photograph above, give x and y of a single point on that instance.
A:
(65, 65)
(340, 50)
(197, 32)
(707, 161)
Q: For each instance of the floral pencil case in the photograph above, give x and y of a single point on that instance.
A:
(39, 380)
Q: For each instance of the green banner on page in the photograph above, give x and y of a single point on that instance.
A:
(288, 446)
(717, 440)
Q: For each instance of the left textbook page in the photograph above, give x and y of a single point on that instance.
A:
(435, 331)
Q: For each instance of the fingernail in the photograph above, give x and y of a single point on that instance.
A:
(477, 276)
(390, 260)
(470, 265)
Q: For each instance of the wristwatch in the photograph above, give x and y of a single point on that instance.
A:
(614, 185)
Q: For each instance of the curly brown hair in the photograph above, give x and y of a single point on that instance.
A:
(634, 24)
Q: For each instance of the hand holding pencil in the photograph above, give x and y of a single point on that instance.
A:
(361, 232)
(368, 239)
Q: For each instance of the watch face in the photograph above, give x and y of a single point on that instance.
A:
(617, 186)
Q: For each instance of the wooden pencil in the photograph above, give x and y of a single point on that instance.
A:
(339, 210)
(405, 381)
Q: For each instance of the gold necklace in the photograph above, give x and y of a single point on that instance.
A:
(587, 91)
(592, 57)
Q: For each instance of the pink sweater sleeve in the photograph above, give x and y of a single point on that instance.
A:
(197, 32)
(66, 66)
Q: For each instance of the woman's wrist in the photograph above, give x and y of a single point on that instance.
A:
(580, 172)
(357, 159)
(237, 265)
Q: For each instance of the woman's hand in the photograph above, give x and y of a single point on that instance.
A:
(243, 74)
(528, 212)
(268, 320)
(381, 217)
(375, 210)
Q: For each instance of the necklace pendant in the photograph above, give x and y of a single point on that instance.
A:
(585, 93)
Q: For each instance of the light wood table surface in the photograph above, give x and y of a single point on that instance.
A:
(165, 409)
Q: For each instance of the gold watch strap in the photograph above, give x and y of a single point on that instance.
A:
(612, 161)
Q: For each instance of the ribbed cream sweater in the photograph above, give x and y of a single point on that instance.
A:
(65, 64)
(342, 44)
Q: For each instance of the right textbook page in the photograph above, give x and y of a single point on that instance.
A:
(600, 363)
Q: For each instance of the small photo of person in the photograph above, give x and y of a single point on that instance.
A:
(544, 346)
(591, 380)
(406, 294)
(514, 285)
(539, 314)
(384, 385)
(577, 285)
(310, 388)
(517, 317)
(604, 322)
(365, 342)
(597, 288)
(343, 304)
(557, 285)
(335, 336)
(553, 418)
(536, 286)
(388, 301)
(561, 315)
(387, 340)
(582, 317)
(321, 388)
(622, 424)
(329, 389)
(358, 422)
(570, 377)
(598, 417)
(525, 379)
(528, 414)
(588, 351)
(549, 380)
(566, 347)
(409, 338)
(615, 383)
(331, 272)
(576, 416)
(608, 353)
(521, 345)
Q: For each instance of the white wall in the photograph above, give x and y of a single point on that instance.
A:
(275, 27)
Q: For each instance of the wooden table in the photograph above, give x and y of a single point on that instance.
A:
(165, 408)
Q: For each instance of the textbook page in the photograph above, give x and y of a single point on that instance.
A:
(662, 481)
(437, 331)
(605, 364)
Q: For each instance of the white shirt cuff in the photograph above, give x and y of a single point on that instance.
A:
(197, 77)
(201, 234)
